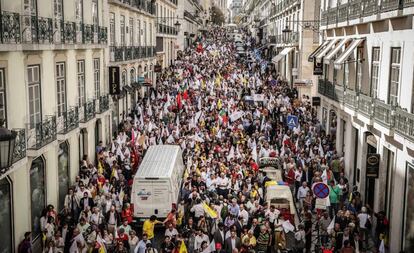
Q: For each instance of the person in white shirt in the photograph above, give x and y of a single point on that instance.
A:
(197, 209)
(171, 231)
(200, 238)
(244, 214)
(211, 183)
(78, 244)
(302, 191)
(222, 184)
(364, 218)
(272, 213)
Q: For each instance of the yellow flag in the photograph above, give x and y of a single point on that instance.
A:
(219, 104)
(270, 183)
(183, 248)
(209, 211)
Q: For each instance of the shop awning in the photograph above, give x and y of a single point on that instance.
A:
(284, 52)
(320, 47)
(324, 51)
(345, 55)
(334, 51)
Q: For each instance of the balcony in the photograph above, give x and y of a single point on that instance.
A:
(70, 120)
(42, 133)
(103, 103)
(88, 110)
(165, 29)
(174, 1)
(19, 145)
(355, 9)
(404, 123)
(29, 29)
(366, 105)
(327, 89)
(142, 5)
(124, 53)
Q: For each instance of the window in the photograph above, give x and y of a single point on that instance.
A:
(150, 34)
(131, 32)
(79, 10)
(112, 28)
(30, 7)
(346, 74)
(124, 78)
(95, 17)
(132, 75)
(58, 8)
(81, 82)
(97, 77)
(2, 95)
(61, 87)
(33, 77)
(359, 69)
(139, 32)
(122, 23)
(37, 194)
(394, 76)
(63, 173)
(6, 216)
(145, 34)
(375, 71)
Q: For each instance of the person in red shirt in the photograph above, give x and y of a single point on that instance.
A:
(122, 237)
(127, 213)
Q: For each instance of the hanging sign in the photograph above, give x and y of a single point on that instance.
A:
(114, 85)
(373, 161)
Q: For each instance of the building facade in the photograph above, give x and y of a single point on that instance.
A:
(190, 14)
(52, 75)
(166, 33)
(367, 99)
(292, 36)
(132, 28)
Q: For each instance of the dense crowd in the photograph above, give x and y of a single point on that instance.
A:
(203, 102)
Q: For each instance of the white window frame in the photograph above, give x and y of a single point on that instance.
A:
(3, 100)
(34, 92)
(112, 32)
(395, 67)
(122, 29)
(61, 87)
(97, 76)
(131, 32)
(79, 10)
(359, 69)
(375, 67)
(95, 10)
(80, 67)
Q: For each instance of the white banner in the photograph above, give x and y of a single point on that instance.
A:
(236, 115)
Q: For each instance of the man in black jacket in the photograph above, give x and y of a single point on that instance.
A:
(219, 235)
(233, 242)
(86, 201)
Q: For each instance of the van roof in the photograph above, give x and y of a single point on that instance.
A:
(159, 161)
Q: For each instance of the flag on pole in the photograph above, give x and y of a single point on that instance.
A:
(183, 248)
(210, 211)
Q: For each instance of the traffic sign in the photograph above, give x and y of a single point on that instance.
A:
(292, 121)
(321, 190)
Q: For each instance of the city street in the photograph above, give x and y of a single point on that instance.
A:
(207, 126)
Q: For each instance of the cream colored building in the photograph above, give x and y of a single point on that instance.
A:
(132, 27)
(292, 36)
(190, 13)
(367, 99)
(166, 34)
(53, 92)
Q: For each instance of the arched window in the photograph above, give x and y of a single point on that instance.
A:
(37, 194)
(63, 172)
(6, 218)
(132, 76)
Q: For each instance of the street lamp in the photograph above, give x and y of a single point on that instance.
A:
(7, 140)
(177, 25)
(286, 31)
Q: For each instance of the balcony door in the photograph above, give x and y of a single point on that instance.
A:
(35, 109)
(61, 94)
(29, 16)
(58, 20)
(79, 19)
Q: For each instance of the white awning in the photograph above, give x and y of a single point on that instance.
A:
(324, 51)
(334, 51)
(284, 52)
(317, 50)
(345, 55)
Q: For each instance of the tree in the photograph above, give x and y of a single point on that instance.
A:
(217, 16)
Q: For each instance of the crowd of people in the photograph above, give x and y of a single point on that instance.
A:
(226, 114)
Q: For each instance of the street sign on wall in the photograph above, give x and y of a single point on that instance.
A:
(114, 85)
(373, 161)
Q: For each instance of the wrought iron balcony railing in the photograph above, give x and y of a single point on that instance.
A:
(144, 5)
(354, 9)
(41, 133)
(165, 29)
(404, 123)
(19, 145)
(16, 28)
(103, 103)
(10, 27)
(70, 120)
(89, 111)
(123, 53)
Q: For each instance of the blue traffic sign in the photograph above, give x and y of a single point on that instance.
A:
(292, 121)
(321, 190)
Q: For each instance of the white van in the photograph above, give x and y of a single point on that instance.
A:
(157, 183)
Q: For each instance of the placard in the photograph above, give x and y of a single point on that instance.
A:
(318, 68)
(373, 161)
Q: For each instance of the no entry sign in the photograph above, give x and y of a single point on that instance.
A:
(321, 190)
